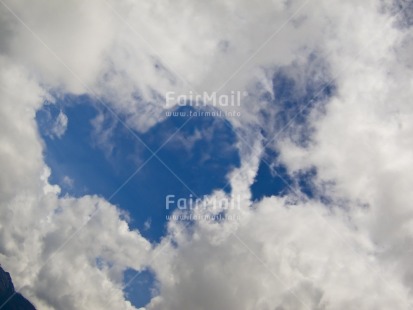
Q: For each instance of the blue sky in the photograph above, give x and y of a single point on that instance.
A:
(200, 155)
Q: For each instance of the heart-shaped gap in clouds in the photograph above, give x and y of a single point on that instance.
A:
(97, 154)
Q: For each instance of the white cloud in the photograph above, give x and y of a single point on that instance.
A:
(130, 54)
(68, 182)
(334, 255)
(59, 125)
(36, 223)
(300, 256)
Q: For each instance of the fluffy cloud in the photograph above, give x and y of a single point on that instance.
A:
(352, 250)
(37, 225)
(279, 255)
(130, 54)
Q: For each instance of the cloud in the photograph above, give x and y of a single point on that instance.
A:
(279, 255)
(36, 222)
(350, 251)
(68, 182)
(60, 125)
(118, 53)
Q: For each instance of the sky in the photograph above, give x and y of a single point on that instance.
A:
(277, 177)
